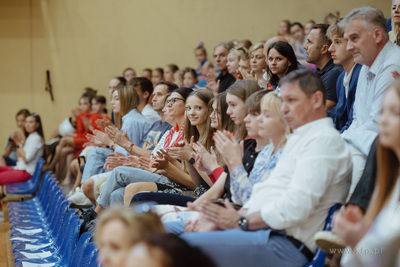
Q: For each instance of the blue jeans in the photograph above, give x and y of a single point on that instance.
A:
(95, 162)
(243, 248)
(121, 177)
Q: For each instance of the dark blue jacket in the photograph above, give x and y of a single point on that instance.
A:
(344, 107)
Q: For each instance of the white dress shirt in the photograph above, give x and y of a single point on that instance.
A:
(372, 82)
(313, 173)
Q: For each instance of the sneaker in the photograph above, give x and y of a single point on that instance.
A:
(80, 199)
(328, 242)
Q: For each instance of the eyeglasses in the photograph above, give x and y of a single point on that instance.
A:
(173, 100)
(34, 114)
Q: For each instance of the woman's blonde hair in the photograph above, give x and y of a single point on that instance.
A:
(129, 100)
(387, 174)
(273, 102)
(136, 224)
(255, 47)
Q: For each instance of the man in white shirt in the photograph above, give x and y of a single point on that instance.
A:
(277, 225)
(367, 39)
(144, 88)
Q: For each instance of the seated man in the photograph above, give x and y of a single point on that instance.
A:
(277, 225)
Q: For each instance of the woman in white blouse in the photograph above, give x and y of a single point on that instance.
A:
(28, 153)
(367, 236)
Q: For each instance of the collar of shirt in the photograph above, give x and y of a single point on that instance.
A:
(328, 66)
(304, 129)
(347, 77)
(380, 59)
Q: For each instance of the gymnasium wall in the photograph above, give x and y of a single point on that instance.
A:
(86, 42)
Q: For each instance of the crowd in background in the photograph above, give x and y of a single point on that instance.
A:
(241, 159)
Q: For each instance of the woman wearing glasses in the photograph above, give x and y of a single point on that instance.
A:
(28, 153)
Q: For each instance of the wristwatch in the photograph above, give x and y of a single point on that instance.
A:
(129, 148)
(192, 161)
(243, 223)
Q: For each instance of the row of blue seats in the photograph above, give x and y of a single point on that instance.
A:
(45, 231)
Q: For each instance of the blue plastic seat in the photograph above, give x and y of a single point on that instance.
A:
(91, 254)
(79, 257)
(61, 252)
(319, 255)
(29, 187)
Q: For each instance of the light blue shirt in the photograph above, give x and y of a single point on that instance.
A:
(136, 126)
(242, 183)
(371, 85)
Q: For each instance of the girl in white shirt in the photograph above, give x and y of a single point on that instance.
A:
(28, 153)
(366, 236)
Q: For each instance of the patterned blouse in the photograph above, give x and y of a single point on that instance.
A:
(242, 184)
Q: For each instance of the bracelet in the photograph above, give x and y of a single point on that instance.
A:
(111, 146)
(129, 148)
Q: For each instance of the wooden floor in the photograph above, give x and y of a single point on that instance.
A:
(6, 257)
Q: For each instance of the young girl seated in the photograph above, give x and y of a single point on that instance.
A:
(189, 78)
(366, 236)
(10, 155)
(73, 143)
(28, 153)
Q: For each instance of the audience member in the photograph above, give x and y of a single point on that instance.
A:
(147, 73)
(285, 231)
(331, 18)
(224, 80)
(245, 43)
(233, 60)
(381, 222)
(346, 84)
(394, 34)
(166, 250)
(281, 61)
(128, 74)
(29, 151)
(144, 89)
(284, 30)
(317, 53)
(119, 229)
(157, 76)
(308, 27)
(258, 63)
(189, 78)
(297, 32)
(169, 72)
(9, 157)
(368, 40)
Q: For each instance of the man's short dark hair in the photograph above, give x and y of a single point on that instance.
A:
(171, 86)
(323, 28)
(308, 81)
(144, 83)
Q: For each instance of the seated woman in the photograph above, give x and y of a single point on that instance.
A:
(118, 229)
(28, 153)
(208, 162)
(219, 120)
(271, 137)
(382, 220)
(197, 128)
(281, 61)
(9, 157)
